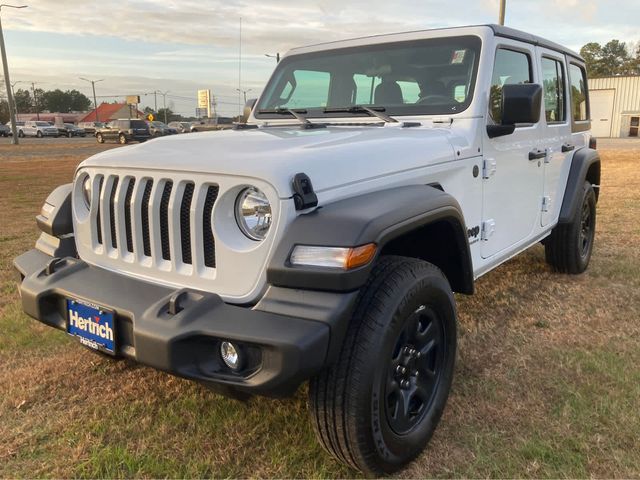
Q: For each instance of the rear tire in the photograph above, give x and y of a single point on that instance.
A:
(20, 134)
(377, 407)
(568, 249)
(39, 134)
(99, 138)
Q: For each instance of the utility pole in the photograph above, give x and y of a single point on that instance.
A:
(155, 101)
(12, 112)
(35, 100)
(164, 103)
(503, 7)
(244, 92)
(95, 101)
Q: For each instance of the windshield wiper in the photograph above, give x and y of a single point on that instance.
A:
(297, 114)
(373, 111)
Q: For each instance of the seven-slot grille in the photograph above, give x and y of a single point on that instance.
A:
(155, 219)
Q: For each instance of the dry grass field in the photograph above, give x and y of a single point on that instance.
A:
(547, 381)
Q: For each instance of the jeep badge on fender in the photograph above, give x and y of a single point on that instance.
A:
(324, 239)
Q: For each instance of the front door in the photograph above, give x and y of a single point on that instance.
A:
(512, 186)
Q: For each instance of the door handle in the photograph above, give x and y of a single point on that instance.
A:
(567, 147)
(537, 154)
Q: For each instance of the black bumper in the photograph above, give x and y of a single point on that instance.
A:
(282, 350)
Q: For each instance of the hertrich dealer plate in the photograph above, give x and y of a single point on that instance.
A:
(92, 325)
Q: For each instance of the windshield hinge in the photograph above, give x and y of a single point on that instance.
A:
(304, 197)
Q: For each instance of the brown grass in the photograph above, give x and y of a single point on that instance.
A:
(547, 381)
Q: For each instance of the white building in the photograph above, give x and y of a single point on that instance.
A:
(615, 106)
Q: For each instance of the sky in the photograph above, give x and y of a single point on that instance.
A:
(180, 46)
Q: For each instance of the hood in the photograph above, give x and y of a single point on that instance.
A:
(332, 157)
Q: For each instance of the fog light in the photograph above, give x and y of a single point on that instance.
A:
(230, 354)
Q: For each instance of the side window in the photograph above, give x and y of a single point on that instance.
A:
(579, 105)
(311, 89)
(553, 88)
(410, 91)
(510, 67)
(365, 87)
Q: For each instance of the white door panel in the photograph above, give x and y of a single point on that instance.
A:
(512, 187)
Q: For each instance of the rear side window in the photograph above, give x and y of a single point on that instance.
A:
(511, 67)
(553, 88)
(138, 124)
(579, 106)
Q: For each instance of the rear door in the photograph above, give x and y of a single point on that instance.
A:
(555, 131)
(512, 184)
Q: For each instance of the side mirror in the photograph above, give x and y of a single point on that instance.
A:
(248, 107)
(521, 103)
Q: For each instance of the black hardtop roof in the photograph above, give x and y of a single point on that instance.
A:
(512, 33)
(498, 30)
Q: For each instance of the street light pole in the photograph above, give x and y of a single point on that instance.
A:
(503, 7)
(13, 93)
(12, 112)
(276, 56)
(95, 102)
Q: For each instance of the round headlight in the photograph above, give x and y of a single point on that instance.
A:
(86, 191)
(253, 213)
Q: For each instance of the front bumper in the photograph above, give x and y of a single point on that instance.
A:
(284, 350)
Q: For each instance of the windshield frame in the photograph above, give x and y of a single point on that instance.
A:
(475, 41)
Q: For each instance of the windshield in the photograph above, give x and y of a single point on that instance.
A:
(424, 77)
(43, 124)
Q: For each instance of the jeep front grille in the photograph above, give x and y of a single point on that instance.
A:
(141, 206)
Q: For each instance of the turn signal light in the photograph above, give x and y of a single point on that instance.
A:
(344, 258)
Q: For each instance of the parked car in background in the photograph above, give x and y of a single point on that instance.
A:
(181, 127)
(204, 127)
(70, 130)
(91, 127)
(37, 128)
(5, 131)
(160, 129)
(124, 131)
(18, 125)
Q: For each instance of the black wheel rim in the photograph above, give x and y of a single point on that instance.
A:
(586, 230)
(415, 370)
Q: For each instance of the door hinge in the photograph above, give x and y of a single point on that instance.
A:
(489, 167)
(546, 204)
(488, 229)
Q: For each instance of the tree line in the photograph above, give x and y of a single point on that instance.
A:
(614, 58)
(39, 100)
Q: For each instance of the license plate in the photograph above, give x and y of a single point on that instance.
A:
(91, 325)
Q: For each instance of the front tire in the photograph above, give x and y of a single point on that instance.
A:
(568, 249)
(99, 138)
(377, 407)
(39, 134)
(122, 139)
(20, 134)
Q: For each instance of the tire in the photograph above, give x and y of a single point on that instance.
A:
(569, 247)
(99, 138)
(39, 134)
(122, 139)
(355, 403)
(20, 134)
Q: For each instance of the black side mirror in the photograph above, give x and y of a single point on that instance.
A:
(248, 107)
(520, 104)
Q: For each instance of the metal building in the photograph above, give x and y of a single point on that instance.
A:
(615, 106)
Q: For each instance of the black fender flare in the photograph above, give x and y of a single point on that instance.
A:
(585, 165)
(377, 217)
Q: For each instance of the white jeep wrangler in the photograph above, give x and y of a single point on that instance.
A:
(323, 239)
